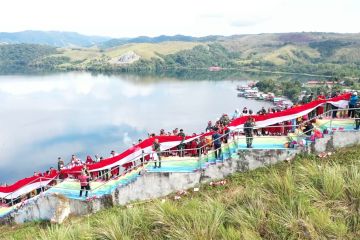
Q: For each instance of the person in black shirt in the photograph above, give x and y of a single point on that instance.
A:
(156, 148)
(335, 108)
(308, 128)
(216, 137)
(248, 129)
(182, 145)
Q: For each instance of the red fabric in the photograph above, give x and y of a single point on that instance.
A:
(115, 171)
(291, 111)
(320, 110)
(128, 165)
(193, 147)
(29, 180)
(94, 174)
(146, 143)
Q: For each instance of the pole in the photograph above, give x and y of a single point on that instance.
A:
(331, 118)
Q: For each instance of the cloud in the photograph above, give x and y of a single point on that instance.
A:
(126, 138)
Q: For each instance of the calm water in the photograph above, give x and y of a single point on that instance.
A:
(43, 117)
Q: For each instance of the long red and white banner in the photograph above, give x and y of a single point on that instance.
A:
(289, 114)
(134, 153)
(26, 185)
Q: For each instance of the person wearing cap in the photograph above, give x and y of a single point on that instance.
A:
(182, 144)
(352, 104)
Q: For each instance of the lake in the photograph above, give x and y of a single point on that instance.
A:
(46, 116)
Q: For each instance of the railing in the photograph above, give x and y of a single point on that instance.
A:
(233, 133)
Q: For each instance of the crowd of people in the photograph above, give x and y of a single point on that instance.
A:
(220, 134)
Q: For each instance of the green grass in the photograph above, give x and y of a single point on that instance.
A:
(82, 56)
(151, 50)
(309, 198)
(291, 54)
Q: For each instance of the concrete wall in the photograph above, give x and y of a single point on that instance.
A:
(336, 141)
(154, 185)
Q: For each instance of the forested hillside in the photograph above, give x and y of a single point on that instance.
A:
(329, 54)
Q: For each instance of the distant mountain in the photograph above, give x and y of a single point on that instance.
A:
(52, 38)
(162, 38)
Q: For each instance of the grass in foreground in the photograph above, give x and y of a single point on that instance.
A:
(309, 198)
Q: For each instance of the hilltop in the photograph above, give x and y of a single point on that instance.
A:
(307, 198)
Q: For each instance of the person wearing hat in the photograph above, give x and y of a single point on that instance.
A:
(352, 103)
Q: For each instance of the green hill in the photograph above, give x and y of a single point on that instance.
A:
(329, 54)
(308, 198)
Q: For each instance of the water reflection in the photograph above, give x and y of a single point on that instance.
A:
(47, 116)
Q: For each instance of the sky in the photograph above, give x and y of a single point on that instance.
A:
(131, 18)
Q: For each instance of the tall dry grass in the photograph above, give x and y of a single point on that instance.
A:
(309, 198)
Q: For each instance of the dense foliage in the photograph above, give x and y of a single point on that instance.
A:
(330, 55)
(290, 89)
(327, 48)
(308, 198)
(20, 57)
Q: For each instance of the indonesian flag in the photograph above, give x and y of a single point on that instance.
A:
(26, 185)
(289, 114)
(134, 153)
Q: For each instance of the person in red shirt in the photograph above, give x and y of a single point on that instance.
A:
(193, 147)
(89, 160)
(84, 183)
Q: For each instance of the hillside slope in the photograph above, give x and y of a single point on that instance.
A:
(327, 54)
(309, 198)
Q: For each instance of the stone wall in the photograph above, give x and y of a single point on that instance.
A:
(154, 185)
